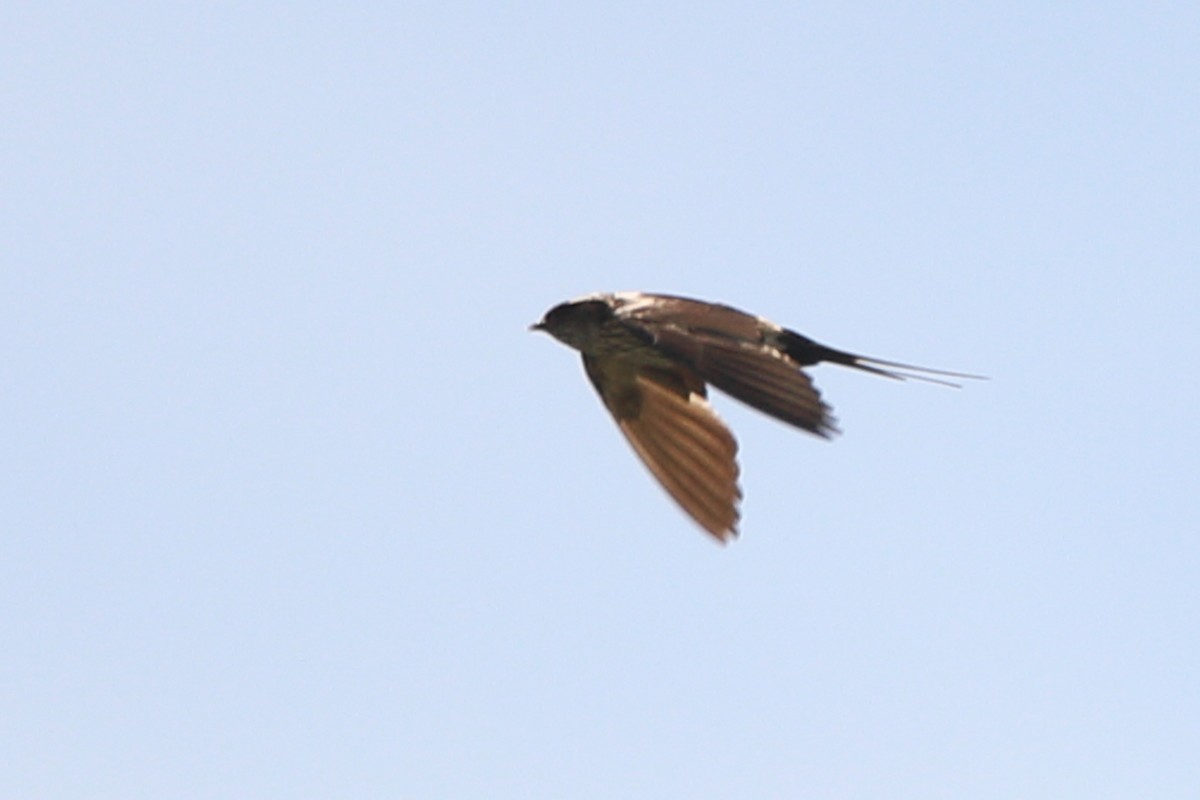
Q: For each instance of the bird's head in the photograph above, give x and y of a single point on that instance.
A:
(576, 323)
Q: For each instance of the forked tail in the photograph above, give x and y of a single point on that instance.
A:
(807, 352)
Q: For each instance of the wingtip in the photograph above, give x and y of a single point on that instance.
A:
(723, 538)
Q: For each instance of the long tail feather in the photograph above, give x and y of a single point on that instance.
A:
(806, 352)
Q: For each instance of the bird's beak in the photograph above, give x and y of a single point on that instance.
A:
(538, 326)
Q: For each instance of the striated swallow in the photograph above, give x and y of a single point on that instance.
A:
(650, 357)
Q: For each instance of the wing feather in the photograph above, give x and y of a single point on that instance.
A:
(674, 431)
(754, 374)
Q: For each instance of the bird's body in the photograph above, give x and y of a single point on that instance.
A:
(650, 357)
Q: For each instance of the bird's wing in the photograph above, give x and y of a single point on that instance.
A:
(666, 418)
(726, 347)
(758, 375)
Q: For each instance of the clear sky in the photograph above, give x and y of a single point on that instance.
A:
(293, 505)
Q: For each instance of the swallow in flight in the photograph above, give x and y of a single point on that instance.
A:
(650, 357)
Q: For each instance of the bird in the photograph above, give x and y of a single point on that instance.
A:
(651, 358)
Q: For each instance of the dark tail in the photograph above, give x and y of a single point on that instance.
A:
(807, 352)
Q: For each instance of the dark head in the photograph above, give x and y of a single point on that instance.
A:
(575, 323)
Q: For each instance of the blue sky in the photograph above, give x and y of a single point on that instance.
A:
(294, 506)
